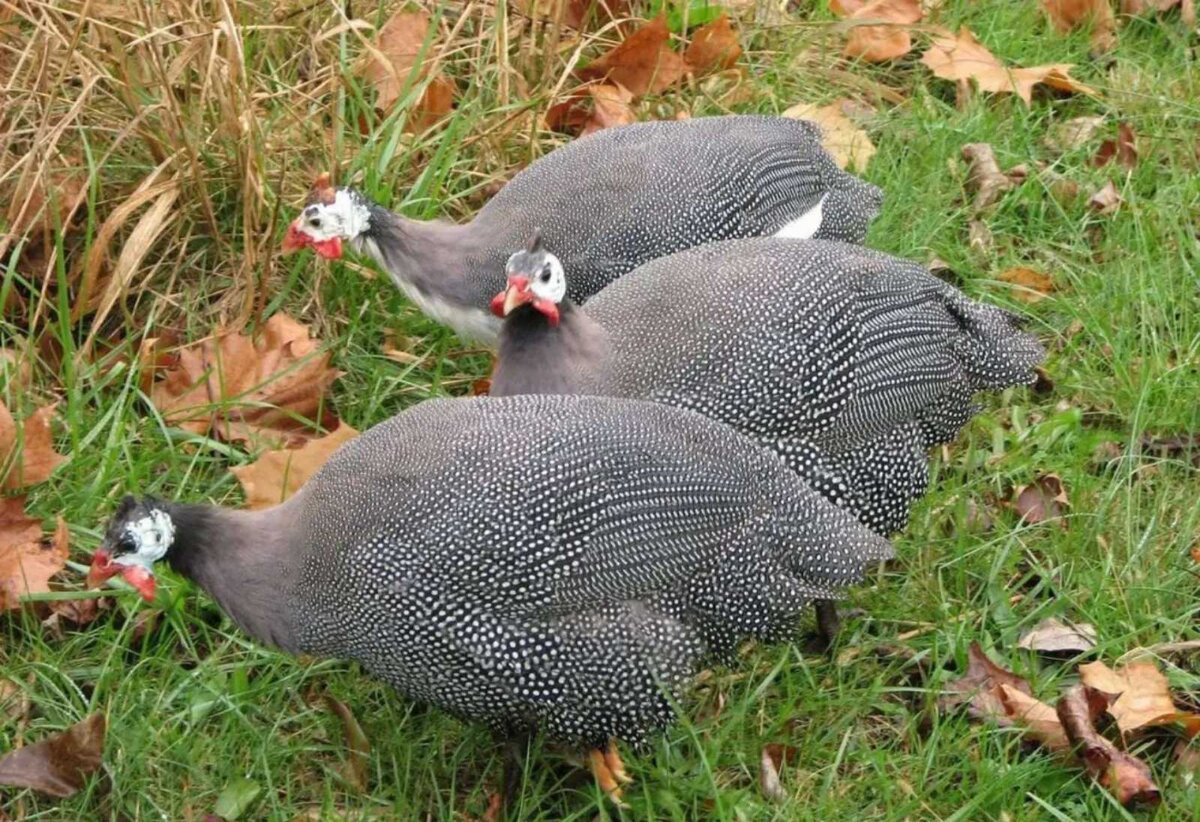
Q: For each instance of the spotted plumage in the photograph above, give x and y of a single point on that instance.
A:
(553, 563)
(847, 362)
(608, 203)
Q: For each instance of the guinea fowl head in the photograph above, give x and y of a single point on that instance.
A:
(535, 278)
(139, 534)
(330, 216)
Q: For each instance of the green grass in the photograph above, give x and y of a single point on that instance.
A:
(194, 706)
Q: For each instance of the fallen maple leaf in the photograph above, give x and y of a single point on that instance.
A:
(962, 57)
(576, 14)
(58, 765)
(390, 64)
(1031, 286)
(27, 561)
(29, 457)
(268, 392)
(1039, 721)
(1123, 149)
(1106, 200)
(1070, 14)
(985, 178)
(1052, 636)
(979, 688)
(1043, 499)
(714, 47)
(1143, 694)
(643, 64)
(276, 475)
(612, 105)
(847, 143)
(880, 43)
(1125, 776)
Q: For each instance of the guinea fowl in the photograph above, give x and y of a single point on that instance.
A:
(606, 203)
(560, 564)
(847, 362)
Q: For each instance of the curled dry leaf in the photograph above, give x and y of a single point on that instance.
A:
(1143, 696)
(27, 456)
(880, 43)
(1106, 200)
(358, 747)
(771, 762)
(985, 178)
(1073, 133)
(1123, 149)
(276, 475)
(27, 561)
(268, 392)
(1070, 14)
(1182, 447)
(643, 64)
(1044, 499)
(60, 764)
(1126, 777)
(979, 688)
(389, 65)
(1052, 636)
(962, 57)
(714, 47)
(847, 143)
(1030, 286)
(1039, 721)
(612, 105)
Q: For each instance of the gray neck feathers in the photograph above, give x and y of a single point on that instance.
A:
(447, 270)
(248, 561)
(535, 357)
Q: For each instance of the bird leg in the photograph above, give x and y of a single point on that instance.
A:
(609, 771)
(515, 749)
(828, 621)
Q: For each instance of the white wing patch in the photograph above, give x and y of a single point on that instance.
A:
(806, 225)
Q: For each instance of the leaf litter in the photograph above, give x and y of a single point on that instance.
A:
(880, 43)
(846, 142)
(27, 560)
(1052, 636)
(27, 454)
(60, 764)
(392, 60)
(278, 474)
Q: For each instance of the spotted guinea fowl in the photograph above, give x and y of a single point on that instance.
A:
(552, 563)
(849, 363)
(606, 203)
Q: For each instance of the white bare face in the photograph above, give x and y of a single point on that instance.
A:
(547, 280)
(153, 535)
(345, 218)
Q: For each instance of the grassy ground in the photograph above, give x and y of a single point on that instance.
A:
(195, 709)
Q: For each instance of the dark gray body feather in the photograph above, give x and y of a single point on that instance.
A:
(560, 563)
(847, 362)
(618, 198)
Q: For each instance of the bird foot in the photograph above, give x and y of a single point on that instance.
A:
(610, 772)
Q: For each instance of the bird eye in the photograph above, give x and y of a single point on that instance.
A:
(545, 274)
(315, 222)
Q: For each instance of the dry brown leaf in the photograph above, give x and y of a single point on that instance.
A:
(389, 66)
(847, 143)
(27, 561)
(267, 393)
(1073, 133)
(276, 475)
(714, 47)
(1125, 776)
(878, 44)
(1106, 200)
(771, 762)
(643, 64)
(1052, 636)
(985, 178)
(962, 57)
(28, 457)
(612, 105)
(1070, 14)
(1187, 8)
(1031, 286)
(1182, 447)
(1044, 499)
(1040, 722)
(14, 702)
(358, 747)
(845, 8)
(576, 14)
(1144, 697)
(979, 688)
(60, 764)
(1123, 149)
